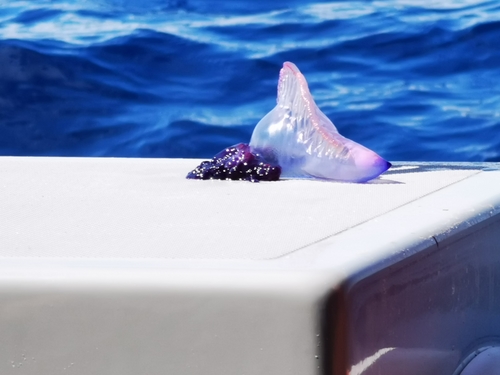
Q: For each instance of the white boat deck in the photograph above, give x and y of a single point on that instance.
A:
(122, 266)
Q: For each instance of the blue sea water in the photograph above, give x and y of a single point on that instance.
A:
(412, 80)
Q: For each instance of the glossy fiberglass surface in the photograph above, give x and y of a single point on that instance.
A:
(124, 267)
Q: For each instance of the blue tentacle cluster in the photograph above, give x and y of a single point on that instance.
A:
(237, 162)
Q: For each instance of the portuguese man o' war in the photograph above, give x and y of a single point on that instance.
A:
(294, 140)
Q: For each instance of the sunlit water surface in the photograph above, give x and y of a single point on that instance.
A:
(160, 78)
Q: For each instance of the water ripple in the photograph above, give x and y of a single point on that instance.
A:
(185, 78)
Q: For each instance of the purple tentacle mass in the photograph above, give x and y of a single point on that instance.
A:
(237, 162)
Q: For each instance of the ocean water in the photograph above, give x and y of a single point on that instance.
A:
(186, 78)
